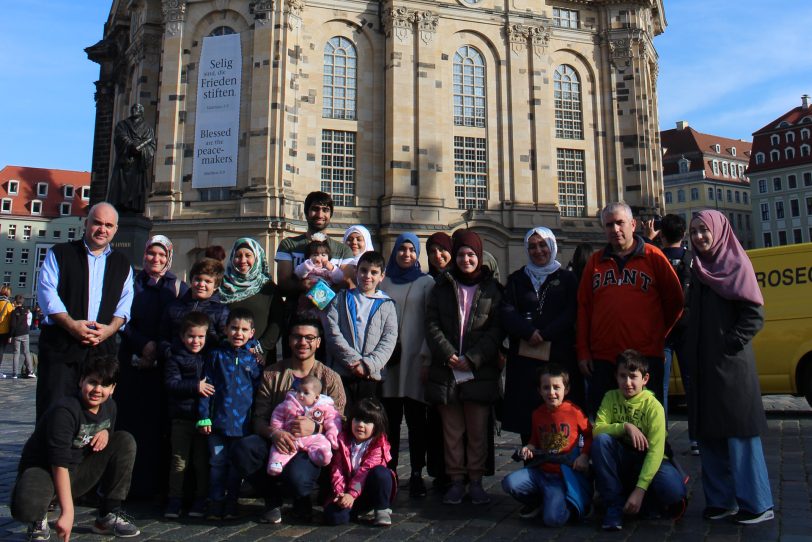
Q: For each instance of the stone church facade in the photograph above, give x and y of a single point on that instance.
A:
(415, 115)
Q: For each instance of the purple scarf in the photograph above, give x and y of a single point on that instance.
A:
(726, 269)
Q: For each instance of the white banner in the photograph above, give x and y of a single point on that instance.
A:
(217, 120)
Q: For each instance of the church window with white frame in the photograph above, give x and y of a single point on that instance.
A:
(338, 166)
(469, 87)
(567, 102)
(340, 79)
(571, 182)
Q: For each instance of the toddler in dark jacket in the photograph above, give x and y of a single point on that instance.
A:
(185, 385)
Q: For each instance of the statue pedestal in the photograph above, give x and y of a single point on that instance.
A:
(132, 236)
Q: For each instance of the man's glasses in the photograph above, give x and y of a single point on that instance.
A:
(308, 338)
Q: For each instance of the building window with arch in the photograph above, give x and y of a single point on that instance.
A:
(470, 172)
(775, 155)
(733, 151)
(340, 79)
(789, 137)
(717, 148)
(668, 197)
(715, 166)
(681, 195)
(222, 31)
(571, 182)
(775, 139)
(725, 169)
(789, 153)
(805, 134)
(694, 194)
(684, 165)
(760, 158)
(338, 166)
(469, 87)
(710, 193)
(805, 150)
(745, 198)
(567, 98)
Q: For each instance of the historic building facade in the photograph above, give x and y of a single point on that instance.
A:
(704, 171)
(781, 169)
(414, 115)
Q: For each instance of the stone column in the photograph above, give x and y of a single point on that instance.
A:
(520, 186)
(428, 154)
(171, 113)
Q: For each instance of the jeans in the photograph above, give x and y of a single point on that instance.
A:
(617, 467)
(298, 479)
(534, 487)
(376, 495)
(21, 350)
(112, 466)
(224, 480)
(734, 474)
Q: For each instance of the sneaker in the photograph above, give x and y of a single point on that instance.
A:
(39, 530)
(383, 518)
(529, 511)
(369, 515)
(417, 489)
(2, 375)
(198, 509)
(173, 506)
(750, 518)
(272, 514)
(715, 512)
(613, 520)
(31, 375)
(694, 447)
(477, 493)
(14, 377)
(116, 524)
(455, 493)
(232, 510)
(216, 510)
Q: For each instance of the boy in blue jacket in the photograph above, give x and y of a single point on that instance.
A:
(225, 416)
(185, 385)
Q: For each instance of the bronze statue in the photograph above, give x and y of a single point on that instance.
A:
(135, 148)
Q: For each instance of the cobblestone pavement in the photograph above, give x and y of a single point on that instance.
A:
(788, 447)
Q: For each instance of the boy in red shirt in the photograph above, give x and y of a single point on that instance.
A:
(558, 427)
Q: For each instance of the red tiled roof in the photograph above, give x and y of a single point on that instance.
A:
(700, 149)
(28, 178)
(796, 119)
(794, 116)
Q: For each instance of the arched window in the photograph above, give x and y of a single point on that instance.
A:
(222, 31)
(760, 158)
(681, 196)
(775, 139)
(789, 153)
(790, 137)
(805, 150)
(775, 155)
(668, 197)
(804, 134)
(567, 97)
(340, 76)
(469, 87)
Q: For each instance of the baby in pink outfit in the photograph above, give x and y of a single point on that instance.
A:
(306, 401)
(317, 264)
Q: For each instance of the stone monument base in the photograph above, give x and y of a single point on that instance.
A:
(132, 236)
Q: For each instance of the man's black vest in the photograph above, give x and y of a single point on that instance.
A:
(71, 259)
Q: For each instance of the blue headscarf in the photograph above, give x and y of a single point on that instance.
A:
(396, 273)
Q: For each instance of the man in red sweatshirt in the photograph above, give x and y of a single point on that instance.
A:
(629, 297)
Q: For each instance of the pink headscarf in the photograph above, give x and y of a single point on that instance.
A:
(726, 269)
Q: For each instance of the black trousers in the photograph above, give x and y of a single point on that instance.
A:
(416, 414)
(112, 467)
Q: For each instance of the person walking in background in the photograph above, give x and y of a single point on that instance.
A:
(6, 308)
(726, 308)
(18, 332)
(579, 258)
(538, 314)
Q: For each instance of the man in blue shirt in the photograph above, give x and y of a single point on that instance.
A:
(85, 292)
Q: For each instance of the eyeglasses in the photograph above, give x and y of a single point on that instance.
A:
(308, 338)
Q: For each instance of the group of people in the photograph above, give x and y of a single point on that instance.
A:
(368, 341)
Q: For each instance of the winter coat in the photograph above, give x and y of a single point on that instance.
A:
(556, 323)
(380, 335)
(268, 310)
(18, 326)
(483, 336)
(726, 396)
(344, 480)
(182, 376)
(410, 301)
(322, 412)
(235, 376)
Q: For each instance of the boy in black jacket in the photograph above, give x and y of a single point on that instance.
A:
(18, 330)
(73, 449)
(185, 383)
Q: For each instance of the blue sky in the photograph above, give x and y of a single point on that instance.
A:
(727, 72)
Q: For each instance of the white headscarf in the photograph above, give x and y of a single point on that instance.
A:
(365, 234)
(538, 274)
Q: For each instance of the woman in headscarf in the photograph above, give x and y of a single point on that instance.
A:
(463, 334)
(247, 285)
(438, 252)
(403, 391)
(140, 393)
(726, 312)
(540, 305)
(359, 240)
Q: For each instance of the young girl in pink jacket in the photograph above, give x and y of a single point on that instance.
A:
(363, 486)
